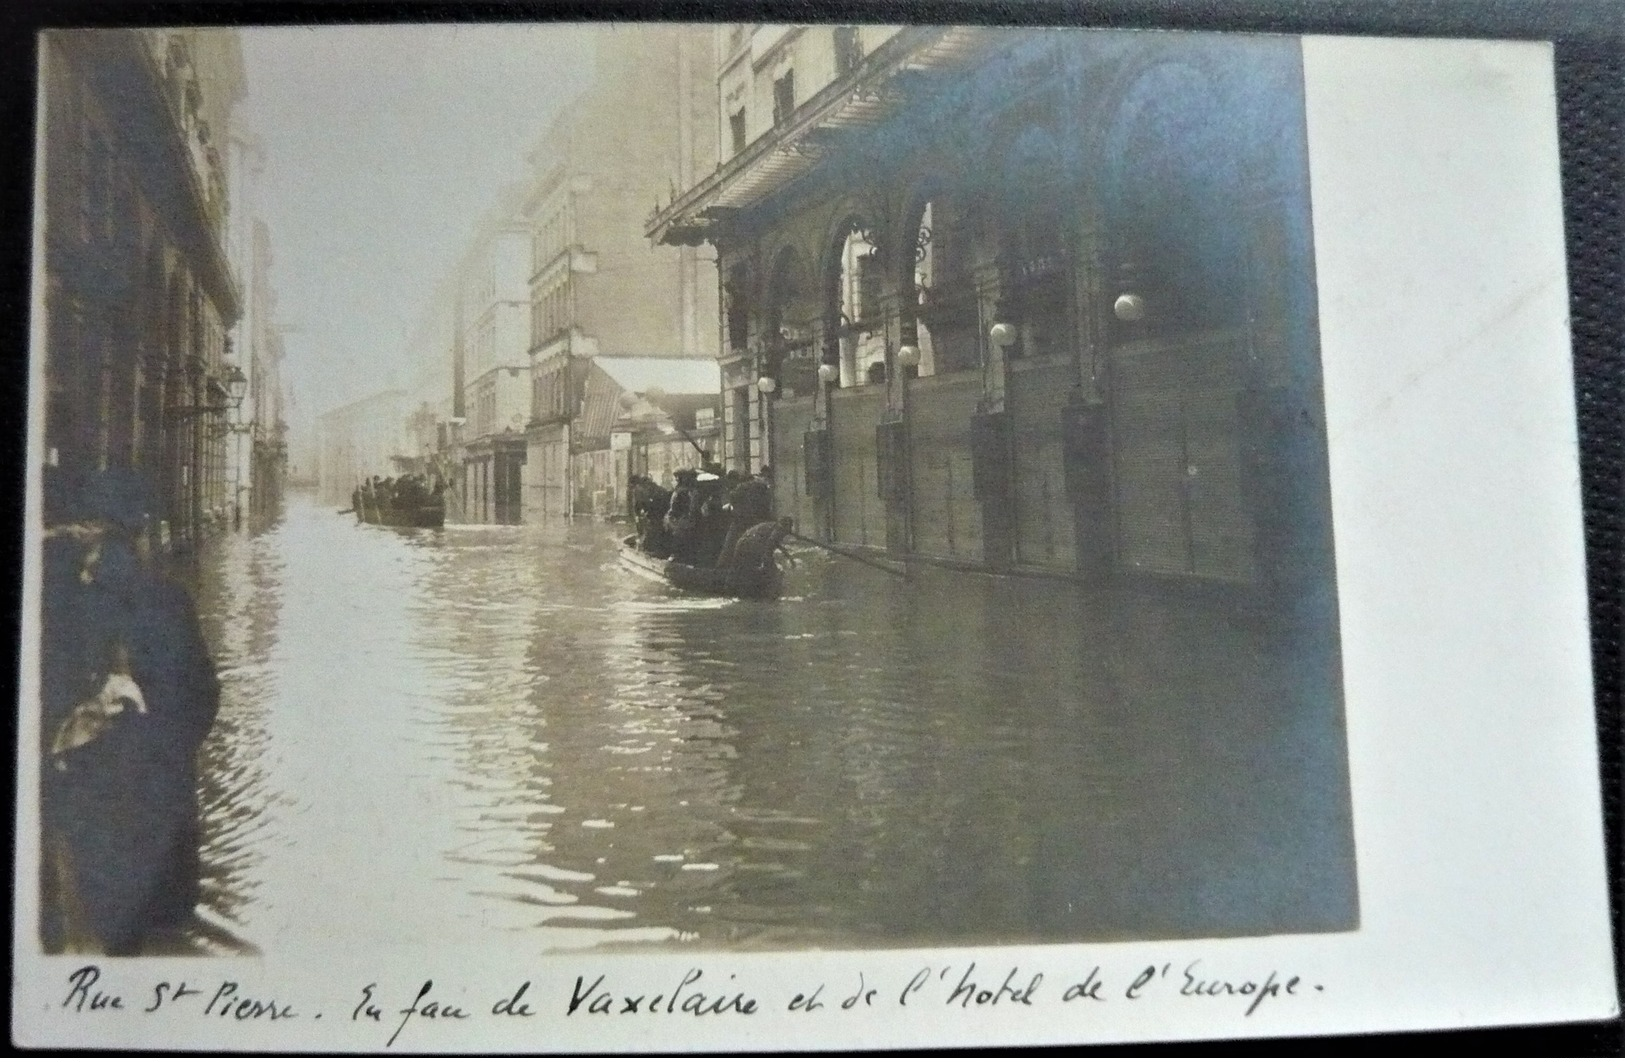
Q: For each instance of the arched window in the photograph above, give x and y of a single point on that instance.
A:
(853, 316)
(1038, 242)
(787, 341)
(943, 296)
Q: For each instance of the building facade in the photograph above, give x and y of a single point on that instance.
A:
(260, 429)
(597, 288)
(1022, 300)
(138, 289)
(362, 439)
(493, 353)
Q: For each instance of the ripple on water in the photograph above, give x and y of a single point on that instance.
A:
(490, 709)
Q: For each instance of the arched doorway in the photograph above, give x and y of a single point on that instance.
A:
(781, 421)
(1029, 515)
(1176, 267)
(854, 332)
(942, 318)
(854, 343)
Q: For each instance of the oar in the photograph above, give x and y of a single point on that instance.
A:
(848, 554)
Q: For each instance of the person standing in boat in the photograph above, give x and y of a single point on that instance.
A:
(649, 504)
(682, 517)
(712, 527)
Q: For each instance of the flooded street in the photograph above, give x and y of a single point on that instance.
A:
(496, 737)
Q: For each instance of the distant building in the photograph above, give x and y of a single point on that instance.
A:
(137, 286)
(644, 416)
(1022, 300)
(261, 428)
(493, 346)
(597, 289)
(437, 425)
(360, 440)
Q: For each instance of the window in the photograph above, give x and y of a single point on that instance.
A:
(736, 128)
(784, 97)
(738, 308)
(947, 311)
(848, 53)
(866, 287)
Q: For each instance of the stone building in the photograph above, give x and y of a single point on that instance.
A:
(260, 430)
(1022, 300)
(137, 288)
(492, 369)
(643, 128)
(360, 440)
(643, 416)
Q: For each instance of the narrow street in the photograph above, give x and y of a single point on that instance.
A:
(497, 737)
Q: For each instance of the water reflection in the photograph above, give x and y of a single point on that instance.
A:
(494, 736)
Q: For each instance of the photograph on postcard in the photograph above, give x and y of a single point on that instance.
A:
(737, 487)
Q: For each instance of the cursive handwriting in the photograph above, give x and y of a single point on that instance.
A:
(701, 994)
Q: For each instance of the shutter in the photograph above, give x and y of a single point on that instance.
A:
(990, 455)
(1044, 517)
(858, 519)
(815, 462)
(947, 519)
(1177, 453)
(890, 454)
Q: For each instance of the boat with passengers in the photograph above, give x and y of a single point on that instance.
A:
(410, 501)
(709, 535)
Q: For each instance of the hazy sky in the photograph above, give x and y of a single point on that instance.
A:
(384, 146)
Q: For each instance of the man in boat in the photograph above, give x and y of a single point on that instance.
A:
(682, 517)
(634, 484)
(753, 553)
(749, 503)
(650, 502)
(408, 495)
(128, 694)
(712, 527)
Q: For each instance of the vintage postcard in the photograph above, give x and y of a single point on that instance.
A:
(663, 537)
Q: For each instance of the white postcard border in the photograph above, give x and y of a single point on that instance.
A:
(1472, 742)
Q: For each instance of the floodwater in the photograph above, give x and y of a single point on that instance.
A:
(496, 737)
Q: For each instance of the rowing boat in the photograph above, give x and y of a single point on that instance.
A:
(762, 584)
(432, 514)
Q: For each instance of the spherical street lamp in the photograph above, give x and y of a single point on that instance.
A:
(767, 385)
(1129, 307)
(1002, 334)
(828, 373)
(908, 356)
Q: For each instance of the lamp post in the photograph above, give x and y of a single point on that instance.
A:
(766, 386)
(908, 359)
(233, 389)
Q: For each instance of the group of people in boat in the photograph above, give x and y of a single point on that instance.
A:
(709, 519)
(376, 498)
